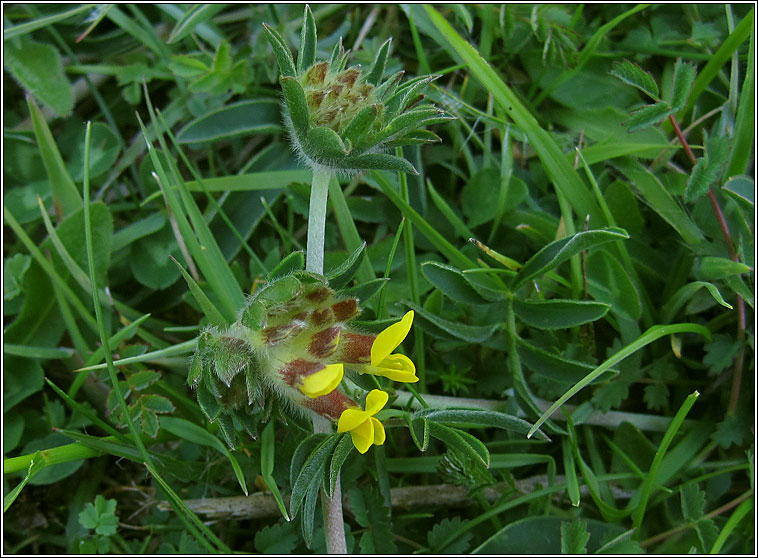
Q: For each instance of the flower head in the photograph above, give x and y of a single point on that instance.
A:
(343, 119)
(364, 429)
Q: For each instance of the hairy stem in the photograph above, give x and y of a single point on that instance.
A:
(738, 364)
(314, 255)
(334, 526)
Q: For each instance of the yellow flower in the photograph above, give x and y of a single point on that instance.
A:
(396, 367)
(363, 427)
(322, 382)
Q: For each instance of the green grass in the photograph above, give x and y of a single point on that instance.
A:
(149, 187)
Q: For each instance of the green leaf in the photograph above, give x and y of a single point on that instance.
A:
(558, 313)
(419, 430)
(444, 328)
(360, 123)
(279, 538)
(267, 467)
(544, 536)
(574, 537)
(708, 168)
(341, 275)
(713, 267)
(341, 452)
(38, 69)
(254, 116)
(66, 195)
(438, 533)
(648, 116)
(380, 161)
(684, 77)
(371, 513)
(631, 73)
(452, 282)
(659, 199)
(693, 502)
(555, 163)
(609, 282)
(476, 418)
(297, 105)
(196, 15)
(104, 152)
(681, 296)
(322, 142)
(307, 55)
(310, 473)
(460, 441)
(281, 50)
(150, 258)
(561, 250)
(720, 352)
(555, 366)
(209, 309)
(156, 403)
(742, 189)
(656, 396)
(374, 75)
(653, 333)
(291, 263)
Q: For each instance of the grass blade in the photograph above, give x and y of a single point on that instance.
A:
(652, 334)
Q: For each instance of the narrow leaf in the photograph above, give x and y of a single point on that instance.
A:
(376, 72)
(281, 51)
(209, 309)
(558, 314)
(297, 105)
(65, 193)
(344, 273)
(381, 161)
(307, 55)
(561, 250)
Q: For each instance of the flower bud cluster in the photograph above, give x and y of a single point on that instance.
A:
(289, 347)
(344, 119)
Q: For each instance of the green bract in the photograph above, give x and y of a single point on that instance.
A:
(343, 119)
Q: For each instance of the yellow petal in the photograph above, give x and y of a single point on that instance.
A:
(389, 339)
(375, 400)
(350, 419)
(363, 436)
(322, 382)
(398, 368)
(379, 434)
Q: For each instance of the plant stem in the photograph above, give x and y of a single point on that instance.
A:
(314, 255)
(738, 364)
(334, 526)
